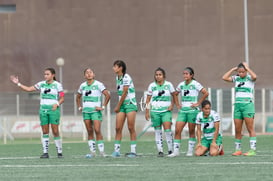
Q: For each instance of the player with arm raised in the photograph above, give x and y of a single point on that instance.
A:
(51, 97)
(244, 109)
(88, 100)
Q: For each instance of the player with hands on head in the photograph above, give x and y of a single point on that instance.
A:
(159, 106)
(244, 109)
(51, 97)
(89, 102)
(208, 125)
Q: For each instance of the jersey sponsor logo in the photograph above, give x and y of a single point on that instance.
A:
(88, 93)
(160, 93)
(186, 92)
(47, 91)
(241, 84)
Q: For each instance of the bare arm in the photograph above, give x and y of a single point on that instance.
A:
(107, 98)
(252, 74)
(147, 111)
(198, 133)
(15, 80)
(204, 96)
(216, 132)
(227, 75)
(122, 98)
(176, 101)
(79, 102)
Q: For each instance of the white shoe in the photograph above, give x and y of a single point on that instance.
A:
(173, 155)
(189, 153)
(102, 154)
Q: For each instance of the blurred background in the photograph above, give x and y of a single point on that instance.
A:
(211, 36)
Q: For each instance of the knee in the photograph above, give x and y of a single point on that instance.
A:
(131, 129)
(198, 153)
(118, 130)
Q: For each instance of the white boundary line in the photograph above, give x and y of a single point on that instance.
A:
(85, 165)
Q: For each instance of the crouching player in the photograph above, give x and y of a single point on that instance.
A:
(208, 122)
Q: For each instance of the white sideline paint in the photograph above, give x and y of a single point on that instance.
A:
(86, 165)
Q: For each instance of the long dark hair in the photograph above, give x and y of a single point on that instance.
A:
(241, 65)
(52, 71)
(122, 64)
(191, 71)
(161, 70)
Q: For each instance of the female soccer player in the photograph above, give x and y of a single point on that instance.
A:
(159, 104)
(125, 108)
(208, 123)
(52, 96)
(89, 99)
(188, 109)
(244, 106)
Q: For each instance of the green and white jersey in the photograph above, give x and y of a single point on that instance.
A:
(189, 92)
(126, 80)
(49, 93)
(244, 89)
(207, 124)
(161, 96)
(91, 95)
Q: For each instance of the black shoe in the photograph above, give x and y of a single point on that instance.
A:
(45, 155)
(170, 152)
(160, 154)
(60, 155)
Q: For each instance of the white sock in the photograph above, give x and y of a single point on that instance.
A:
(58, 143)
(92, 146)
(169, 139)
(117, 146)
(191, 144)
(158, 140)
(176, 146)
(100, 146)
(252, 143)
(45, 143)
(238, 144)
(133, 146)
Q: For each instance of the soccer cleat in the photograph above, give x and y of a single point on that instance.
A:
(90, 155)
(250, 153)
(45, 155)
(189, 153)
(170, 152)
(60, 155)
(115, 154)
(221, 153)
(130, 155)
(174, 154)
(160, 154)
(221, 148)
(102, 154)
(237, 153)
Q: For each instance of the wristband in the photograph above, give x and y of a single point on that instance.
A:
(58, 103)
(80, 108)
(103, 107)
(19, 84)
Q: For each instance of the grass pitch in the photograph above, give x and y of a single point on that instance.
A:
(19, 160)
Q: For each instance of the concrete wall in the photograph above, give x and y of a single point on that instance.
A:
(207, 35)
